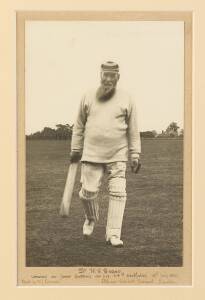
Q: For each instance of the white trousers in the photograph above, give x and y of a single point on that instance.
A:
(91, 176)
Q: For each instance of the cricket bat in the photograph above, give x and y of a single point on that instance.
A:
(68, 191)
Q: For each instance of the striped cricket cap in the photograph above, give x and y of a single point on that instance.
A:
(110, 66)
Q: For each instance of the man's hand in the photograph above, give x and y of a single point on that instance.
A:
(75, 156)
(135, 165)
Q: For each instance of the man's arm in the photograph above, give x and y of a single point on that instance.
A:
(78, 133)
(134, 138)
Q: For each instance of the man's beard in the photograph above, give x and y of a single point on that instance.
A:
(105, 93)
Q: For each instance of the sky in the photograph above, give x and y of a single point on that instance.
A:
(63, 58)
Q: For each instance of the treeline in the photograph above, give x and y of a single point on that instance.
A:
(64, 132)
(172, 131)
(61, 132)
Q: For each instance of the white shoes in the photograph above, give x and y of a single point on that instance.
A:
(88, 227)
(114, 241)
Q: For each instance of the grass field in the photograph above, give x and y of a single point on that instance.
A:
(153, 220)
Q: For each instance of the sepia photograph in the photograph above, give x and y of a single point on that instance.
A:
(103, 117)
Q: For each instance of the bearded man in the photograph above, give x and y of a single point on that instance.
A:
(104, 133)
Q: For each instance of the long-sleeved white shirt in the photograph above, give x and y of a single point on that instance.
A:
(106, 129)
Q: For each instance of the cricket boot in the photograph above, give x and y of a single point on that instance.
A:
(88, 227)
(114, 241)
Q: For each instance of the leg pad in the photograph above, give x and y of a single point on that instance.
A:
(90, 204)
(115, 216)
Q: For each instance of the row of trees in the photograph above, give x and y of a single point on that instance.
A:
(61, 132)
(173, 130)
(64, 132)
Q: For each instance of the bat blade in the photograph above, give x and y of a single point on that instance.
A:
(68, 191)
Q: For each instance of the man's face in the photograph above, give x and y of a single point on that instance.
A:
(109, 80)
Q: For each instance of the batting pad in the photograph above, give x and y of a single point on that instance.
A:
(91, 209)
(115, 216)
(90, 205)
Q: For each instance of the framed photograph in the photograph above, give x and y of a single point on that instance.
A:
(61, 57)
